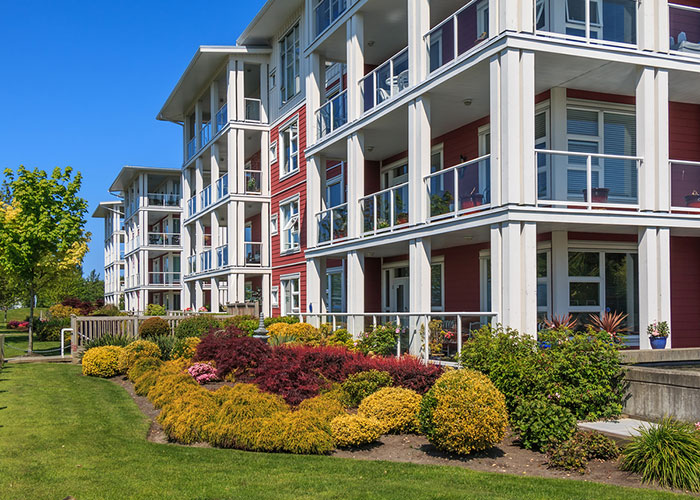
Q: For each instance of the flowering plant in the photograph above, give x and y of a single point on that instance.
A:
(203, 372)
(658, 329)
(203, 309)
(697, 426)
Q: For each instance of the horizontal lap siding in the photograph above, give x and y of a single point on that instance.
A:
(684, 144)
(373, 284)
(685, 292)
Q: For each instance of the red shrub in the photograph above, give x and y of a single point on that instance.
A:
(233, 352)
(408, 372)
(283, 373)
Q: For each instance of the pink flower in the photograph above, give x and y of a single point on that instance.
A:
(203, 373)
(697, 426)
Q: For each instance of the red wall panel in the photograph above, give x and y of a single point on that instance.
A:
(685, 292)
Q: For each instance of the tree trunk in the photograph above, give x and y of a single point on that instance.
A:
(30, 343)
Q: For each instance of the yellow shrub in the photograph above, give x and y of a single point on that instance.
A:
(464, 412)
(190, 347)
(303, 435)
(184, 419)
(246, 404)
(270, 435)
(395, 408)
(355, 430)
(279, 329)
(169, 387)
(322, 409)
(136, 350)
(178, 365)
(141, 366)
(59, 311)
(305, 333)
(102, 361)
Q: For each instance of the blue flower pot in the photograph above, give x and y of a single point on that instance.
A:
(657, 342)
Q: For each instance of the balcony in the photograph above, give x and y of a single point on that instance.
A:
(192, 264)
(460, 189)
(332, 224)
(205, 261)
(207, 241)
(191, 148)
(385, 210)
(252, 110)
(587, 180)
(221, 118)
(222, 187)
(385, 81)
(205, 197)
(685, 186)
(332, 115)
(253, 181)
(253, 253)
(191, 206)
(684, 28)
(326, 12)
(204, 134)
(163, 200)
(164, 239)
(222, 256)
(458, 34)
(163, 278)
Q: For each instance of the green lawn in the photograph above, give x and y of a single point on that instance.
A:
(16, 341)
(65, 434)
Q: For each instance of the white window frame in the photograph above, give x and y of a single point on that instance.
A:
(547, 281)
(338, 179)
(287, 284)
(274, 296)
(330, 272)
(273, 224)
(438, 261)
(290, 42)
(482, 26)
(287, 135)
(544, 143)
(286, 226)
(273, 152)
(600, 280)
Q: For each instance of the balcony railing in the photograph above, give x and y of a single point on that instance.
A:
(252, 110)
(191, 206)
(163, 278)
(222, 187)
(610, 22)
(207, 241)
(684, 28)
(204, 133)
(163, 200)
(253, 181)
(253, 253)
(205, 260)
(333, 224)
(164, 239)
(332, 114)
(587, 180)
(191, 148)
(460, 189)
(221, 117)
(192, 264)
(685, 186)
(222, 256)
(385, 81)
(205, 197)
(326, 12)
(458, 34)
(385, 210)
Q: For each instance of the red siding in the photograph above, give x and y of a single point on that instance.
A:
(373, 284)
(684, 131)
(462, 277)
(685, 292)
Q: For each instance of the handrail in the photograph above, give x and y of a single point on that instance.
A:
(373, 74)
(204, 134)
(594, 155)
(222, 187)
(256, 259)
(384, 191)
(461, 204)
(463, 164)
(339, 100)
(221, 117)
(343, 233)
(684, 7)
(449, 18)
(685, 162)
(222, 255)
(692, 201)
(253, 100)
(391, 222)
(191, 148)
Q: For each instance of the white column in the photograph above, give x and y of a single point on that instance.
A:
(232, 160)
(355, 43)
(185, 296)
(653, 25)
(240, 91)
(560, 273)
(559, 142)
(214, 170)
(514, 15)
(418, 159)
(197, 124)
(314, 195)
(213, 107)
(265, 163)
(214, 295)
(419, 252)
(315, 274)
(240, 161)
(654, 280)
(239, 239)
(231, 87)
(356, 291)
(356, 183)
(214, 223)
(266, 306)
(418, 25)
(315, 93)
(233, 235)
(265, 234)
(653, 139)
(232, 281)
(264, 100)
(198, 295)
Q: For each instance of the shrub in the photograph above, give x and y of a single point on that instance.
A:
(463, 412)
(196, 326)
(166, 344)
(395, 408)
(539, 423)
(13, 324)
(568, 455)
(667, 453)
(407, 372)
(597, 445)
(203, 373)
(233, 352)
(108, 339)
(155, 310)
(136, 350)
(355, 430)
(169, 387)
(142, 366)
(185, 419)
(244, 322)
(305, 333)
(59, 311)
(305, 436)
(323, 409)
(107, 310)
(51, 329)
(290, 320)
(360, 385)
(84, 307)
(154, 327)
(102, 361)
(279, 330)
(340, 337)
(185, 348)
(144, 382)
(247, 401)
(381, 340)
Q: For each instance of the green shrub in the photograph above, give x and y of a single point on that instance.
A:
(597, 445)
(50, 329)
(396, 409)
(102, 361)
(142, 366)
(667, 453)
(108, 339)
(355, 430)
(167, 344)
(538, 423)
(340, 337)
(290, 320)
(170, 387)
(183, 348)
(107, 310)
(568, 455)
(463, 412)
(154, 327)
(305, 436)
(136, 350)
(323, 408)
(196, 326)
(155, 310)
(360, 385)
(244, 322)
(381, 340)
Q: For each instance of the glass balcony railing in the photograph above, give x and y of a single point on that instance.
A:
(332, 115)
(163, 200)
(205, 197)
(253, 253)
(204, 134)
(587, 180)
(326, 12)
(163, 278)
(192, 264)
(385, 210)
(333, 224)
(252, 110)
(222, 256)
(205, 260)
(460, 189)
(221, 117)
(253, 180)
(191, 206)
(164, 239)
(684, 28)
(222, 187)
(685, 186)
(458, 34)
(385, 81)
(191, 148)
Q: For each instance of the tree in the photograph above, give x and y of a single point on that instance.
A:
(42, 229)
(10, 293)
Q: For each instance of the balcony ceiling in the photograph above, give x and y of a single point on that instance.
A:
(128, 174)
(268, 22)
(106, 208)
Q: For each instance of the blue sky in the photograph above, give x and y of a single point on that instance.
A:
(82, 82)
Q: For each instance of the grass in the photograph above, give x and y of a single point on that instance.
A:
(16, 341)
(65, 434)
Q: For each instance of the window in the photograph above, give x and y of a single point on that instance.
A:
(273, 152)
(335, 290)
(275, 296)
(289, 217)
(273, 224)
(334, 192)
(437, 287)
(543, 285)
(289, 141)
(290, 296)
(289, 64)
(542, 142)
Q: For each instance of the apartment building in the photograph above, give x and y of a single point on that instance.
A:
(488, 160)
(113, 214)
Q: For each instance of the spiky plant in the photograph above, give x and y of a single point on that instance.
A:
(611, 322)
(561, 322)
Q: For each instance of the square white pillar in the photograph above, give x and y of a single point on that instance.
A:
(356, 291)
(654, 281)
(355, 43)
(419, 253)
(315, 276)
(419, 150)
(418, 25)
(356, 183)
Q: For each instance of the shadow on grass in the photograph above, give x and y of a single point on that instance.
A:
(492, 453)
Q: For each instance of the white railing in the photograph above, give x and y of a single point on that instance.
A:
(222, 256)
(253, 253)
(418, 334)
(684, 28)
(163, 278)
(204, 134)
(332, 224)
(460, 189)
(205, 197)
(163, 200)
(191, 206)
(385, 210)
(221, 117)
(684, 183)
(385, 81)
(164, 239)
(253, 179)
(222, 187)
(205, 261)
(326, 12)
(587, 180)
(253, 110)
(192, 264)
(332, 115)
(191, 148)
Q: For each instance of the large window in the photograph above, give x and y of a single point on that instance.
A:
(289, 217)
(290, 296)
(289, 64)
(437, 288)
(289, 139)
(335, 290)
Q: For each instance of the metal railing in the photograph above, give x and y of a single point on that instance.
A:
(164, 239)
(191, 206)
(457, 34)
(685, 185)
(221, 117)
(326, 12)
(163, 200)
(222, 187)
(253, 181)
(253, 109)
(205, 260)
(684, 28)
(191, 148)
(385, 81)
(163, 278)
(205, 197)
(204, 134)
(332, 115)
(385, 210)
(192, 264)
(332, 224)
(459, 189)
(222, 256)
(587, 180)
(253, 253)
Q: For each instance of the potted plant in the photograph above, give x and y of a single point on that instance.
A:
(658, 333)
(598, 195)
(478, 199)
(402, 218)
(692, 200)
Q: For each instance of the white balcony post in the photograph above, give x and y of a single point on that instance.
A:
(653, 25)
(356, 291)
(512, 15)
(264, 102)
(419, 253)
(560, 272)
(314, 194)
(214, 295)
(315, 94)
(355, 43)
(214, 222)
(240, 161)
(418, 26)
(197, 124)
(213, 107)
(356, 183)
(265, 163)
(558, 163)
(654, 280)
(266, 306)
(419, 150)
(214, 170)
(240, 91)
(315, 276)
(232, 160)
(265, 232)
(231, 90)
(240, 240)
(233, 236)
(198, 294)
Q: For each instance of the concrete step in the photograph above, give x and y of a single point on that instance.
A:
(622, 429)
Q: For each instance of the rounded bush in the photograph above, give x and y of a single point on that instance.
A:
(155, 310)
(102, 361)
(167, 388)
(355, 430)
(303, 435)
(360, 385)
(196, 326)
(305, 333)
(324, 406)
(137, 350)
(185, 348)
(394, 407)
(539, 423)
(59, 311)
(142, 366)
(154, 327)
(184, 419)
(279, 329)
(464, 412)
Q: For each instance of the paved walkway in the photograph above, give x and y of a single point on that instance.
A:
(39, 359)
(624, 428)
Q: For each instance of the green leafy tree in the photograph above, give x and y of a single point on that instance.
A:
(42, 229)
(10, 293)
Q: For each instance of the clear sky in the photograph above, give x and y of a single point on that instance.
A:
(81, 83)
